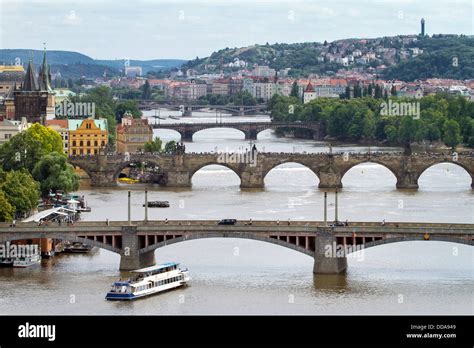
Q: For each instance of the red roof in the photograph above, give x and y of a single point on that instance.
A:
(309, 88)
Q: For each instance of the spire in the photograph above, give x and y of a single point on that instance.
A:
(45, 75)
(29, 83)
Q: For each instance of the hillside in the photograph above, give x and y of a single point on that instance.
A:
(406, 57)
(74, 64)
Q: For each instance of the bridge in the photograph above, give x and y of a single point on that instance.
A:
(252, 167)
(186, 109)
(250, 129)
(136, 241)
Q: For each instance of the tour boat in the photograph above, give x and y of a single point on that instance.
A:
(149, 281)
(23, 262)
(6, 262)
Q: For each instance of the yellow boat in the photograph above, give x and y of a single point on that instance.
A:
(128, 181)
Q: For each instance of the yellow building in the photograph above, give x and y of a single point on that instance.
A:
(87, 137)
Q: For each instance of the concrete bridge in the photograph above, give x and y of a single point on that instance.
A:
(186, 109)
(251, 168)
(250, 129)
(137, 241)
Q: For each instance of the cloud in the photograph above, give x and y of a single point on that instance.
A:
(72, 18)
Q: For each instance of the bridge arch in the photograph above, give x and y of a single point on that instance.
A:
(204, 129)
(86, 241)
(300, 166)
(453, 163)
(215, 163)
(418, 238)
(125, 164)
(215, 235)
(371, 161)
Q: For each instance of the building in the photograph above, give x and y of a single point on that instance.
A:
(62, 94)
(263, 71)
(309, 93)
(220, 87)
(9, 76)
(133, 71)
(35, 98)
(10, 128)
(62, 127)
(132, 134)
(422, 27)
(87, 137)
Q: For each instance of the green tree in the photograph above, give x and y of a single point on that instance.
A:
(124, 106)
(153, 146)
(170, 147)
(452, 134)
(21, 190)
(49, 139)
(146, 91)
(294, 90)
(54, 173)
(7, 211)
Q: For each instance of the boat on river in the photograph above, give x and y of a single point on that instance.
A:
(149, 281)
(158, 204)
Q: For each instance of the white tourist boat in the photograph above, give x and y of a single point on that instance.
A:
(27, 261)
(149, 281)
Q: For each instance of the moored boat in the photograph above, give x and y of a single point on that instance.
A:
(158, 204)
(27, 261)
(149, 281)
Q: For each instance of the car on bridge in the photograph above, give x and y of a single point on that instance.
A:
(227, 222)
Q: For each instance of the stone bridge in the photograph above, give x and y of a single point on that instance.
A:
(252, 167)
(136, 241)
(250, 129)
(186, 109)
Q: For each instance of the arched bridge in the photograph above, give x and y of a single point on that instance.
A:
(250, 129)
(186, 108)
(252, 167)
(137, 241)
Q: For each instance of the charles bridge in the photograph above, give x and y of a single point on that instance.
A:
(252, 167)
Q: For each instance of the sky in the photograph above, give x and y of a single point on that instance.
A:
(185, 29)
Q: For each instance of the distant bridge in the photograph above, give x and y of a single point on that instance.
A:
(186, 109)
(250, 129)
(251, 168)
(136, 241)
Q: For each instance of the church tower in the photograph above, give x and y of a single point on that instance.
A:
(34, 100)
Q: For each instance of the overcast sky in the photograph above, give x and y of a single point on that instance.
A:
(147, 29)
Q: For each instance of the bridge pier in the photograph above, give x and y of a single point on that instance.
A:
(177, 179)
(102, 179)
(251, 180)
(329, 179)
(130, 258)
(326, 260)
(187, 135)
(408, 180)
(251, 134)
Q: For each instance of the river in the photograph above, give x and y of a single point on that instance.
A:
(235, 276)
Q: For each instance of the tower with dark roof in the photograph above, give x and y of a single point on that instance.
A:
(34, 100)
(422, 27)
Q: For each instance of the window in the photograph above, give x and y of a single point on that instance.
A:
(88, 143)
(96, 143)
(81, 143)
(73, 152)
(73, 143)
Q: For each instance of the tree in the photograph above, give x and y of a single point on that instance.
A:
(407, 132)
(6, 209)
(21, 191)
(170, 147)
(153, 146)
(124, 106)
(294, 90)
(452, 134)
(146, 91)
(54, 173)
(393, 91)
(25, 149)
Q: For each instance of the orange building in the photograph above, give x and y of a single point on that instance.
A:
(87, 137)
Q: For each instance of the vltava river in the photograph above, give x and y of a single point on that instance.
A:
(235, 276)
